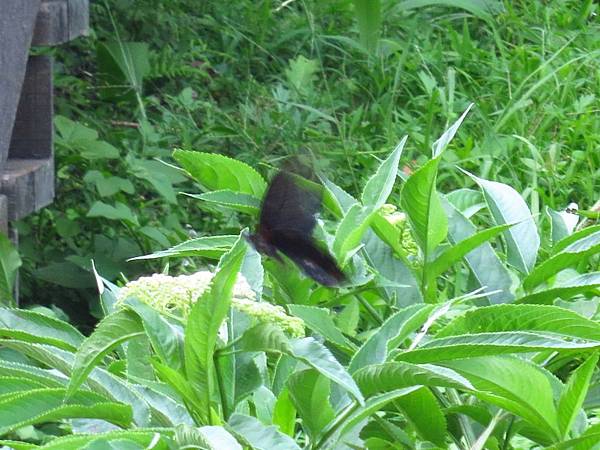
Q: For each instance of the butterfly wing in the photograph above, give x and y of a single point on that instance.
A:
(312, 260)
(287, 206)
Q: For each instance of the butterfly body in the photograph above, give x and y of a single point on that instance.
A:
(287, 221)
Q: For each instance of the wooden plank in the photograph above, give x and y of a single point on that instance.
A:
(4, 214)
(17, 20)
(28, 184)
(60, 21)
(32, 131)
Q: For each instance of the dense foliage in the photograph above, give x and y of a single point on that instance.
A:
(470, 316)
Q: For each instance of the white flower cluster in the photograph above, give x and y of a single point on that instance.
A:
(176, 295)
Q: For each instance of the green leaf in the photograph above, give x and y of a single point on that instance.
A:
(440, 145)
(309, 390)
(246, 203)
(258, 436)
(35, 327)
(541, 318)
(113, 330)
(507, 206)
(482, 344)
(217, 172)
(368, 15)
(316, 355)
(122, 67)
(371, 406)
(264, 337)
(166, 339)
(564, 289)
(588, 440)
(350, 232)
(207, 437)
(320, 321)
(423, 410)
(457, 251)
(10, 261)
(486, 267)
(569, 256)
(389, 335)
(571, 399)
(421, 202)
(397, 276)
(44, 405)
(396, 375)
(514, 384)
(79, 441)
(567, 241)
(205, 318)
(467, 201)
(212, 247)
(379, 187)
(301, 72)
(98, 150)
(269, 338)
(284, 413)
(118, 212)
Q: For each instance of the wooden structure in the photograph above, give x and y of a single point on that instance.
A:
(26, 103)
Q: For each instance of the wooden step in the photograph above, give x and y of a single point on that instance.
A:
(28, 185)
(61, 21)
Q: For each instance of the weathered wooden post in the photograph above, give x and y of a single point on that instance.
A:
(26, 100)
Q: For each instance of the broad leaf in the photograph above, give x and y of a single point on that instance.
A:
(258, 436)
(566, 289)
(422, 205)
(507, 206)
(212, 247)
(113, 330)
(205, 318)
(379, 187)
(571, 400)
(389, 335)
(217, 172)
(486, 267)
(245, 203)
(569, 256)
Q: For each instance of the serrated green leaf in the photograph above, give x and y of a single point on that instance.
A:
(515, 384)
(350, 232)
(571, 400)
(569, 256)
(112, 331)
(457, 251)
(258, 436)
(379, 187)
(207, 438)
(396, 375)
(564, 289)
(246, 203)
(536, 318)
(320, 321)
(421, 203)
(203, 324)
(43, 405)
(391, 333)
(35, 327)
(482, 344)
(208, 247)
(218, 172)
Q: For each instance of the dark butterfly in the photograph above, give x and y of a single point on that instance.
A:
(287, 221)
